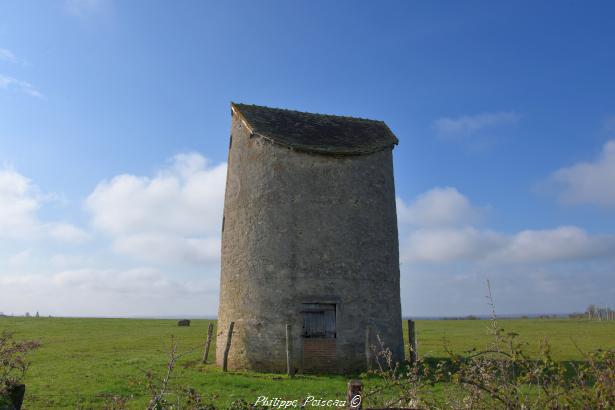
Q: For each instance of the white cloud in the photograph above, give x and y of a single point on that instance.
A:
(64, 260)
(20, 201)
(169, 248)
(112, 292)
(7, 55)
(589, 182)
(20, 258)
(439, 207)
(469, 125)
(458, 289)
(173, 216)
(171, 219)
(446, 234)
(7, 82)
(132, 281)
(10, 57)
(445, 262)
(446, 245)
(66, 232)
(560, 244)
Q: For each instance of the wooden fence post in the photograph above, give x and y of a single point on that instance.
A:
(353, 394)
(412, 341)
(289, 352)
(300, 355)
(210, 330)
(229, 336)
(368, 352)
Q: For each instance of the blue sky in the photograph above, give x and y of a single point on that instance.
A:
(114, 136)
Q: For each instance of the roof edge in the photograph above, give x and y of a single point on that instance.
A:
(310, 149)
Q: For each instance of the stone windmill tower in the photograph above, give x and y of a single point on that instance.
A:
(309, 238)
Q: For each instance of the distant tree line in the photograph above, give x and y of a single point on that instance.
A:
(596, 313)
(27, 314)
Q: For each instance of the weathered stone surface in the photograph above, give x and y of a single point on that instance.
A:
(306, 228)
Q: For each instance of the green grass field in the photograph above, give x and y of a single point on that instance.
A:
(82, 361)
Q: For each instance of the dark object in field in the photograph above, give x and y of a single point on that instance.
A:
(183, 322)
(15, 395)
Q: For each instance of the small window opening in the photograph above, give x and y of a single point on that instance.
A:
(319, 320)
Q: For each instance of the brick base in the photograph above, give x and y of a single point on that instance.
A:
(319, 355)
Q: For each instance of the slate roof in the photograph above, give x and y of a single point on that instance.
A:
(317, 133)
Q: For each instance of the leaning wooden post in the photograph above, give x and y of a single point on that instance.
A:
(289, 352)
(368, 352)
(210, 330)
(412, 341)
(229, 336)
(353, 394)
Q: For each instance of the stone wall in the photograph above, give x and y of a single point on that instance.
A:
(301, 228)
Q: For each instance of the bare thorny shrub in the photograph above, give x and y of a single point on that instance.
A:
(501, 376)
(13, 361)
(162, 396)
(402, 385)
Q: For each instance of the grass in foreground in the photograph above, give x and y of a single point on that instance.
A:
(83, 361)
